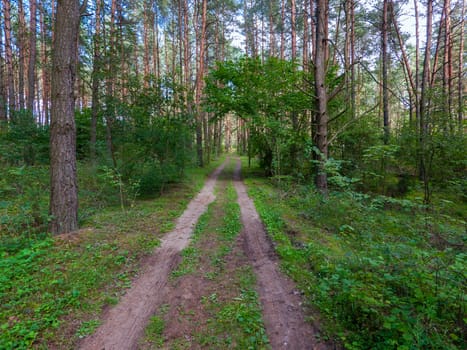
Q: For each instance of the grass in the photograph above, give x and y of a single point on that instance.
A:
(236, 323)
(53, 289)
(383, 273)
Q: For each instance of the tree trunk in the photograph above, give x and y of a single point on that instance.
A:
(272, 37)
(385, 59)
(199, 84)
(282, 29)
(293, 29)
(447, 64)
(64, 190)
(96, 67)
(321, 98)
(45, 69)
(156, 54)
(424, 101)
(305, 37)
(32, 57)
(21, 40)
(146, 26)
(460, 85)
(417, 64)
(3, 95)
(9, 58)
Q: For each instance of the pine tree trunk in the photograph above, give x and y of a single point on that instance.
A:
(21, 42)
(64, 190)
(199, 84)
(321, 98)
(385, 59)
(293, 29)
(424, 102)
(3, 94)
(9, 58)
(282, 29)
(447, 64)
(460, 84)
(96, 67)
(44, 58)
(32, 56)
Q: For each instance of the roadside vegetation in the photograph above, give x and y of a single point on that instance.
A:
(383, 272)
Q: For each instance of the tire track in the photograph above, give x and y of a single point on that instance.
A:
(282, 312)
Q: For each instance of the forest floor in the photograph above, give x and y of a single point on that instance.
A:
(214, 282)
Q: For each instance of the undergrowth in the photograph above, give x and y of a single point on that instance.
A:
(384, 273)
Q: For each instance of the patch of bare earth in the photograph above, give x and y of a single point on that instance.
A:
(124, 324)
(283, 314)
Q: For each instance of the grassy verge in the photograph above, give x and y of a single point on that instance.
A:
(222, 309)
(52, 289)
(383, 273)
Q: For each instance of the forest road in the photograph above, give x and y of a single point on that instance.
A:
(123, 325)
(283, 315)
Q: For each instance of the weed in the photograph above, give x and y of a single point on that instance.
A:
(155, 331)
(87, 328)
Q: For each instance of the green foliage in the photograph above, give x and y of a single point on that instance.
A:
(155, 330)
(266, 97)
(382, 272)
(23, 141)
(23, 203)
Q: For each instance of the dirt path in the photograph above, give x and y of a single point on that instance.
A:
(124, 324)
(282, 312)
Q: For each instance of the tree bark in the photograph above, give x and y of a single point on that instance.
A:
(199, 84)
(321, 98)
(21, 40)
(293, 29)
(424, 101)
(45, 68)
(417, 64)
(460, 84)
(3, 94)
(447, 62)
(385, 59)
(32, 57)
(282, 29)
(64, 190)
(96, 68)
(9, 58)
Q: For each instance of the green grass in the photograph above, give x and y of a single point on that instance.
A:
(383, 273)
(47, 283)
(237, 323)
(154, 332)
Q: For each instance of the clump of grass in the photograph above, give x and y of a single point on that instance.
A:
(237, 323)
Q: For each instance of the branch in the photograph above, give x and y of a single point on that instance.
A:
(333, 138)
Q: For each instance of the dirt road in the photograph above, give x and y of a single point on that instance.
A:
(124, 325)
